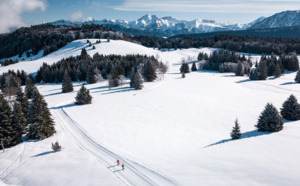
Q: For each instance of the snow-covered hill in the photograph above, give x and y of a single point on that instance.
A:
(282, 19)
(173, 132)
(165, 25)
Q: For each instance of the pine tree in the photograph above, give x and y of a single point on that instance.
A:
(149, 72)
(194, 68)
(113, 78)
(90, 75)
(138, 81)
(293, 64)
(132, 77)
(18, 121)
(39, 118)
(67, 85)
(29, 87)
(239, 69)
(270, 120)
(84, 53)
(297, 78)
(263, 70)
(277, 72)
(291, 109)
(83, 96)
(6, 130)
(254, 75)
(22, 99)
(236, 132)
(185, 68)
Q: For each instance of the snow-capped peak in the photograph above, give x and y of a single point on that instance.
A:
(282, 19)
(89, 19)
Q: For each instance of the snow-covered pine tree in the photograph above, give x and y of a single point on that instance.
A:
(291, 109)
(270, 120)
(67, 85)
(39, 118)
(254, 75)
(194, 68)
(83, 96)
(18, 122)
(6, 130)
(98, 76)
(149, 72)
(277, 72)
(297, 78)
(293, 64)
(90, 75)
(236, 132)
(29, 87)
(22, 99)
(263, 70)
(132, 77)
(114, 79)
(239, 69)
(138, 81)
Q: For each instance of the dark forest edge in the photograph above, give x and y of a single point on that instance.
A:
(30, 40)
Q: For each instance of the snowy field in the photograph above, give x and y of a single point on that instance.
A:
(173, 132)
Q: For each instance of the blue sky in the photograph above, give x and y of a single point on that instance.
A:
(26, 12)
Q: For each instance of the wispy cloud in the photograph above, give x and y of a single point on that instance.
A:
(11, 11)
(217, 6)
(76, 16)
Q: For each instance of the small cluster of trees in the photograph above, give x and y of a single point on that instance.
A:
(10, 81)
(273, 66)
(30, 118)
(7, 62)
(270, 120)
(225, 61)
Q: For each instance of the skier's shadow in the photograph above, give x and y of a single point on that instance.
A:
(117, 170)
(112, 166)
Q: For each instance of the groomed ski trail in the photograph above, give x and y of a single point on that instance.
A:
(130, 176)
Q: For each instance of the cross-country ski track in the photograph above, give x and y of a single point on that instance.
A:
(130, 175)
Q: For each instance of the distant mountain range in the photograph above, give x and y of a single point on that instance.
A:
(169, 26)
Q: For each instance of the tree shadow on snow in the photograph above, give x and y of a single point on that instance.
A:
(118, 90)
(64, 106)
(244, 81)
(42, 154)
(249, 134)
(288, 83)
(229, 75)
(53, 94)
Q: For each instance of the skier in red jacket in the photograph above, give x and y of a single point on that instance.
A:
(118, 162)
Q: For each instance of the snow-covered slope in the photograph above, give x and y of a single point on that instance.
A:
(282, 19)
(173, 132)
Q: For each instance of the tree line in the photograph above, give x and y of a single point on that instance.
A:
(238, 43)
(226, 61)
(30, 40)
(115, 68)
